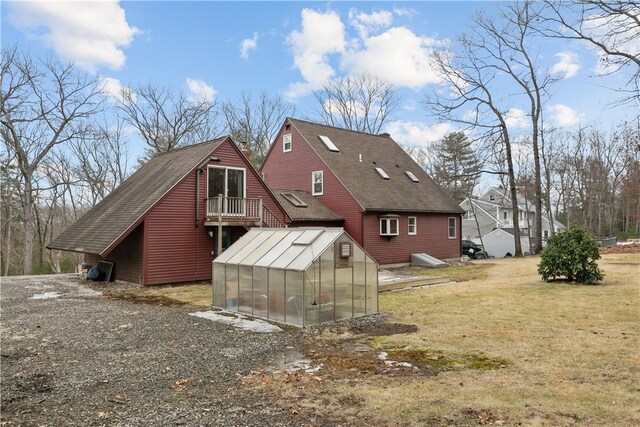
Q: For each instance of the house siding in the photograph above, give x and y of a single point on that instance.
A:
(127, 258)
(292, 170)
(431, 238)
(177, 251)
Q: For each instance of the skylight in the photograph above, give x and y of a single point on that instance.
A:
(294, 200)
(382, 173)
(411, 176)
(328, 143)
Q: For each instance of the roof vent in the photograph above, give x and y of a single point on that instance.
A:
(382, 173)
(385, 134)
(294, 200)
(328, 143)
(411, 176)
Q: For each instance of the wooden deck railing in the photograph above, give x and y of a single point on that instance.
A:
(241, 208)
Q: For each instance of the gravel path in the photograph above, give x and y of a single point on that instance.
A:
(71, 357)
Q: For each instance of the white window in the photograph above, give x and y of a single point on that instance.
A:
(452, 227)
(388, 226)
(413, 226)
(469, 215)
(317, 183)
(546, 233)
(504, 215)
(492, 198)
(286, 142)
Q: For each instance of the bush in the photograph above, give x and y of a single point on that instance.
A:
(571, 254)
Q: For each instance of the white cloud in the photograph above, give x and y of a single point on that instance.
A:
(398, 55)
(618, 33)
(114, 89)
(322, 34)
(365, 23)
(516, 118)
(199, 90)
(91, 34)
(411, 133)
(562, 115)
(568, 64)
(248, 45)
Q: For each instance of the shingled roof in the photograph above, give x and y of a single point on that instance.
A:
(117, 214)
(355, 166)
(314, 210)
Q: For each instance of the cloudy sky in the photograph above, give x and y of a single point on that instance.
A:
(220, 49)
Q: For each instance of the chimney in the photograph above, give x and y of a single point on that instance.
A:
(385, 134)
(246, 151)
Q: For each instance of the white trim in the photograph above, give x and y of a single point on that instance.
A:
(313, 183)
(286, 140)
(455, 226)
(388, 222)
(415, 225)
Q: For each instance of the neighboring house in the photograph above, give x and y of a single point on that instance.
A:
(389, 204)
(162, 224)
(493, 211)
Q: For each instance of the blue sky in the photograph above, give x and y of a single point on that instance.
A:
(220, 49)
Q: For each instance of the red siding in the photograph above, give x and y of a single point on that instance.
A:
(127, 257)
(431, 238)
(292, 171)
(230, 156)
(177, 250)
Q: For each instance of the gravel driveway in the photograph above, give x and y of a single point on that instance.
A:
(71, 356)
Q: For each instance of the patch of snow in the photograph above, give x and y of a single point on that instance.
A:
(383, 356)
(239, 322)
(39, 287)
(46, 295)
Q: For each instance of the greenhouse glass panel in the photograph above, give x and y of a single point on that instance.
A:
(231, 288)
(312, 296)
(245, 251)
(372, 286)
(245, 295)
(278, 248)
(294, 303)
(276, 295)
(344, 293)
(260, 292)
(219, 284)
(359, 282)
(265, 247)
(327, 285)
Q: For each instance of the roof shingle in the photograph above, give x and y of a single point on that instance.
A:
(115, 215)
(355, 166)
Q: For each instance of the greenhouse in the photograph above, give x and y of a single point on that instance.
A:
(299, 276)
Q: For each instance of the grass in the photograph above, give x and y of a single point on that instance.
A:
(198, 294)
(501, 348)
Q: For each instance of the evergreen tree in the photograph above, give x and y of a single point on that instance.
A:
(455, 165)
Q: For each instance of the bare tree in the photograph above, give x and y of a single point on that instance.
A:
(44, 103)
(611, 26)
(256, 122)
(470, 101)
(360, 102)
(166, 120)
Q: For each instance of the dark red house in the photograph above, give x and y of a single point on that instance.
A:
(163, 224)
(389, 204)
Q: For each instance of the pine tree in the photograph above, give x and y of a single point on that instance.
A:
(455, 165)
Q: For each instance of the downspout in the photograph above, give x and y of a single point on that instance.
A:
(198, 172)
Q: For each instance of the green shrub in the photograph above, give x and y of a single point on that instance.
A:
(572, 254)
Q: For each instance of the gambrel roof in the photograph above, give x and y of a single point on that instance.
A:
(379, 174)
(115, 216)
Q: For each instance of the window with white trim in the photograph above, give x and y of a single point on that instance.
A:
(317, 182)
(389, 226)
(452, 227)
(412, 226)
(286, 142)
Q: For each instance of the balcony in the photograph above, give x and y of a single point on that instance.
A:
(240, 211)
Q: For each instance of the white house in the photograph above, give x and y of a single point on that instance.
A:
(493, 211)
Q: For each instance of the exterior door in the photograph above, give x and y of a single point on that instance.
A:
(229, 183)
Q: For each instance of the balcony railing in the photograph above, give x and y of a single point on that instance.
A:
(243, 209)
(508, 223)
